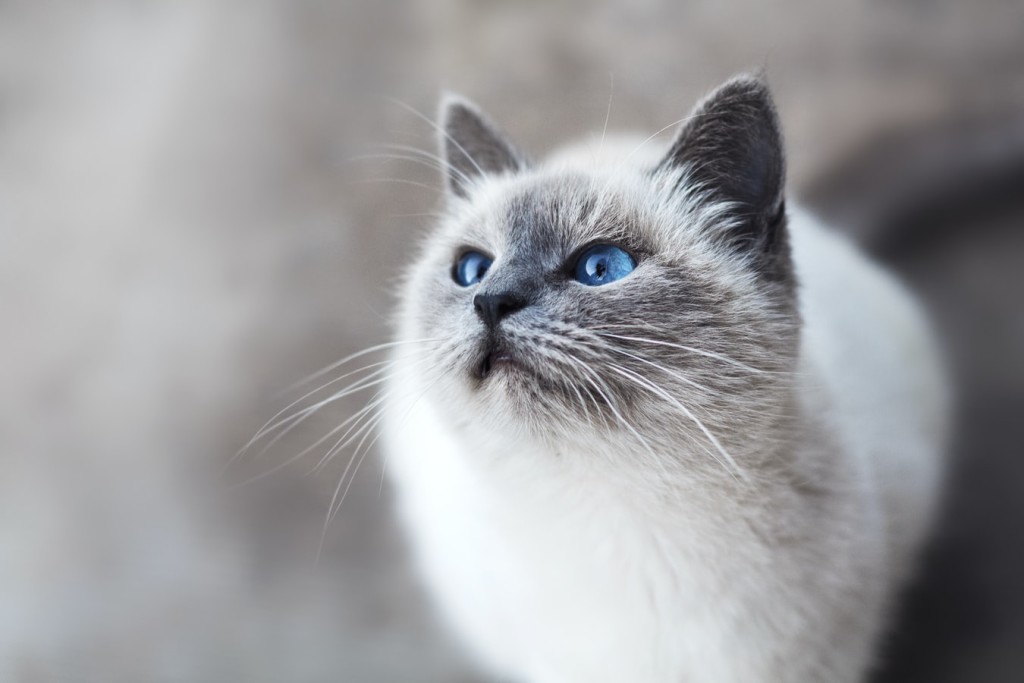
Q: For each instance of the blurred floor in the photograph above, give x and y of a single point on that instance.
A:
(180, 238)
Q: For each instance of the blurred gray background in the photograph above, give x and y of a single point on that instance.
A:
(184, 233)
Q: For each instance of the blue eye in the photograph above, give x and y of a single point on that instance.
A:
(471, 268)
(602, 264)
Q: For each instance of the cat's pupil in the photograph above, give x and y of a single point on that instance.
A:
(600, 269)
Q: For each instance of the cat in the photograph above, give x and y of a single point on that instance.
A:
(650, 423)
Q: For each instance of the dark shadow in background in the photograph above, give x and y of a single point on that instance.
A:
(943, 206)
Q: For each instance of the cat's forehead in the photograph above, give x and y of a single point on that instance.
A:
(557, 211)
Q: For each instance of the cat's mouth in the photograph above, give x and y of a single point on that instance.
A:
(495, 358)
(511, 368)
(498, 359)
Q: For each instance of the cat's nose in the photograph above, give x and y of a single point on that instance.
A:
(493, 307)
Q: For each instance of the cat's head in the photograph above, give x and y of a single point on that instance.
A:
(642, 296)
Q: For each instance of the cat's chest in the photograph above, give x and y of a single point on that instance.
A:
(526, 547)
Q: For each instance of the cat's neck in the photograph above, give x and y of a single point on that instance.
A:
(642, 468)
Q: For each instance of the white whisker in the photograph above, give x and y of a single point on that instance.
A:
(440, 130)
(270, 425)
(335, 505)
(681, 378)
(608, 113)
(439, 162)
(618, 416)
(683, 347)
(301, 416)
(359, 354)
(650, 386)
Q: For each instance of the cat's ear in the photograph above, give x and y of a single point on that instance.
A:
(472, 146)
(731, 149)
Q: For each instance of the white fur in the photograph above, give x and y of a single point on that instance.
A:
(562, 567)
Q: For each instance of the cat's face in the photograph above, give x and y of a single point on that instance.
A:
(568, 298)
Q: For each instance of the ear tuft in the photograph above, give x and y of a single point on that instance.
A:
(731, 146)
(473, 146)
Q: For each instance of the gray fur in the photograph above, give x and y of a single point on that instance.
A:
(732, 144)
(686, 432)
(712, 302)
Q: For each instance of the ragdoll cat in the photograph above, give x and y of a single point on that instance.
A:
(651, 424)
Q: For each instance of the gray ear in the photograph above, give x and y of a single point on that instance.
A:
(473, 146)
(732, 147)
